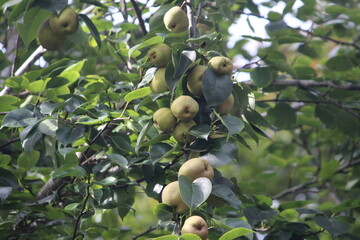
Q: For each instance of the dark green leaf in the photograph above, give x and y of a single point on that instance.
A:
(194, 193)
(67, 135)
(54, 6)
(119, 160)
(28, 160)
(335, 226)
(159, 151)
(235, 233)
(201, 131)
(339, 63)
(163, 212)
(282, 116)
(293, 204)
(19, 118)
(255, 215)
(224, 192)
(261, 77)
(349, 204)
(92, 28)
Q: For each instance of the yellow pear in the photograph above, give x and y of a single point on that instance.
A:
(67, 22)
(184, 108)
(221, 65)
(194, 80)
(196, 225)
(48, 39)
(226, 107)
(195, 168)
(160, 55)
(181, 130)
(171, 196)
(158, 83)
(176, 20)
(164, 120)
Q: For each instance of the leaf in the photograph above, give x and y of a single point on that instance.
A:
(108, 181)
(19, 82)
(261, 77)
(201, 131)
(282, 116)
(224, 192)
(194, 193)
(216, 88)
(48, 127)
(56, 82)
(134, 51)
(293, 204)
(8, 103)
(28, 160)
(222, 152)
(335, 226)
(4, 193)
(119, 160)
(167, 237)
(349, 204)
(93, 30)
(233, 124)
(138, 93)
(8, 179)
(235, 233)
(54, 6)
(19, 118)
(163, 211)
(339, 63)
(255, 215)
(328, 169)
(160, 151)
(189, 236)
(67, 135)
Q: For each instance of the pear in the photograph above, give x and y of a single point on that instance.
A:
(194, 80)
(184, 108)
(164, 120)
(160, 55)
(221, 65)
(67, 22)
(181, 130)
(158, 83)
(49, 39)
(171, 196)
(196, 225)
(195, 168)
(176, 20)
(226, 107)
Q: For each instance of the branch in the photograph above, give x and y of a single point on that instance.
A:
(190, 14)
(294, 189)
(310, 84)
(150, 229)
(139, 16)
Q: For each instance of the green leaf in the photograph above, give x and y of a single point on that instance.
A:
(339, 63)
(194, 193)
(138, 93)
(67, 135)
(160, 151)
(163, 211)
(19, 118)
(56, 82)
(255, 215)
(28, 160)
(189, 236)
(235, 233)
(8, 103)
(349, 204)
(335, 226)
(108, 181)
(293, 204)
(216, 88)
(19, 82)
(17, 12)
(224, 192)
(71, 206)
(119, 160)
(222, 152)
(328, 169)
(261, 77)
(167, 237)
(134, 51)
(233, 124)
(8, 179)
(54, 6)
(48, 127)
(201, 131)
(93, 30)
(282, 116)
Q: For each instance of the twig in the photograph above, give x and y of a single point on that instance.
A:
(139, 16)
(190, 14)
(294, 100)
(150, 229)
(294, 189)
(10, 142)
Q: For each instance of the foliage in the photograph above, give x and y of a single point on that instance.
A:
(81, 159)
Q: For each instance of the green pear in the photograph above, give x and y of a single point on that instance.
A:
(67, 22)
(158, 83)
(196, 225)
(48, 39)
(171, 196)
(226, 107)
(181, 130)
(195, 168)
(184, 108)
(160, 55)
(176, 20)
(194, 80)
(164, 120)
(221, 65)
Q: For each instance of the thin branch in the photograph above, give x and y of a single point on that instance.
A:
(294, 100)
(294, 189)
(190, 14)
(150, 229)
(139, 16)
(310, 84)
(9, 142)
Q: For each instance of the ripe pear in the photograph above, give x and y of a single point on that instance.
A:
(194, 80)
(158, 83)
(171, 196)
(164, 120)
(176, 20)
(226, 107)
(221, 65)
(160, 55)
(48, 39)
(184, 108)
(181, 130)
(67, 22)
(195, 168)
(196, 225)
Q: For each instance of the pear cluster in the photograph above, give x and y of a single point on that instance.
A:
(53, 32)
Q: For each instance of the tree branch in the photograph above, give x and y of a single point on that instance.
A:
(139, 16)
(190, 14)
(150, 229)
